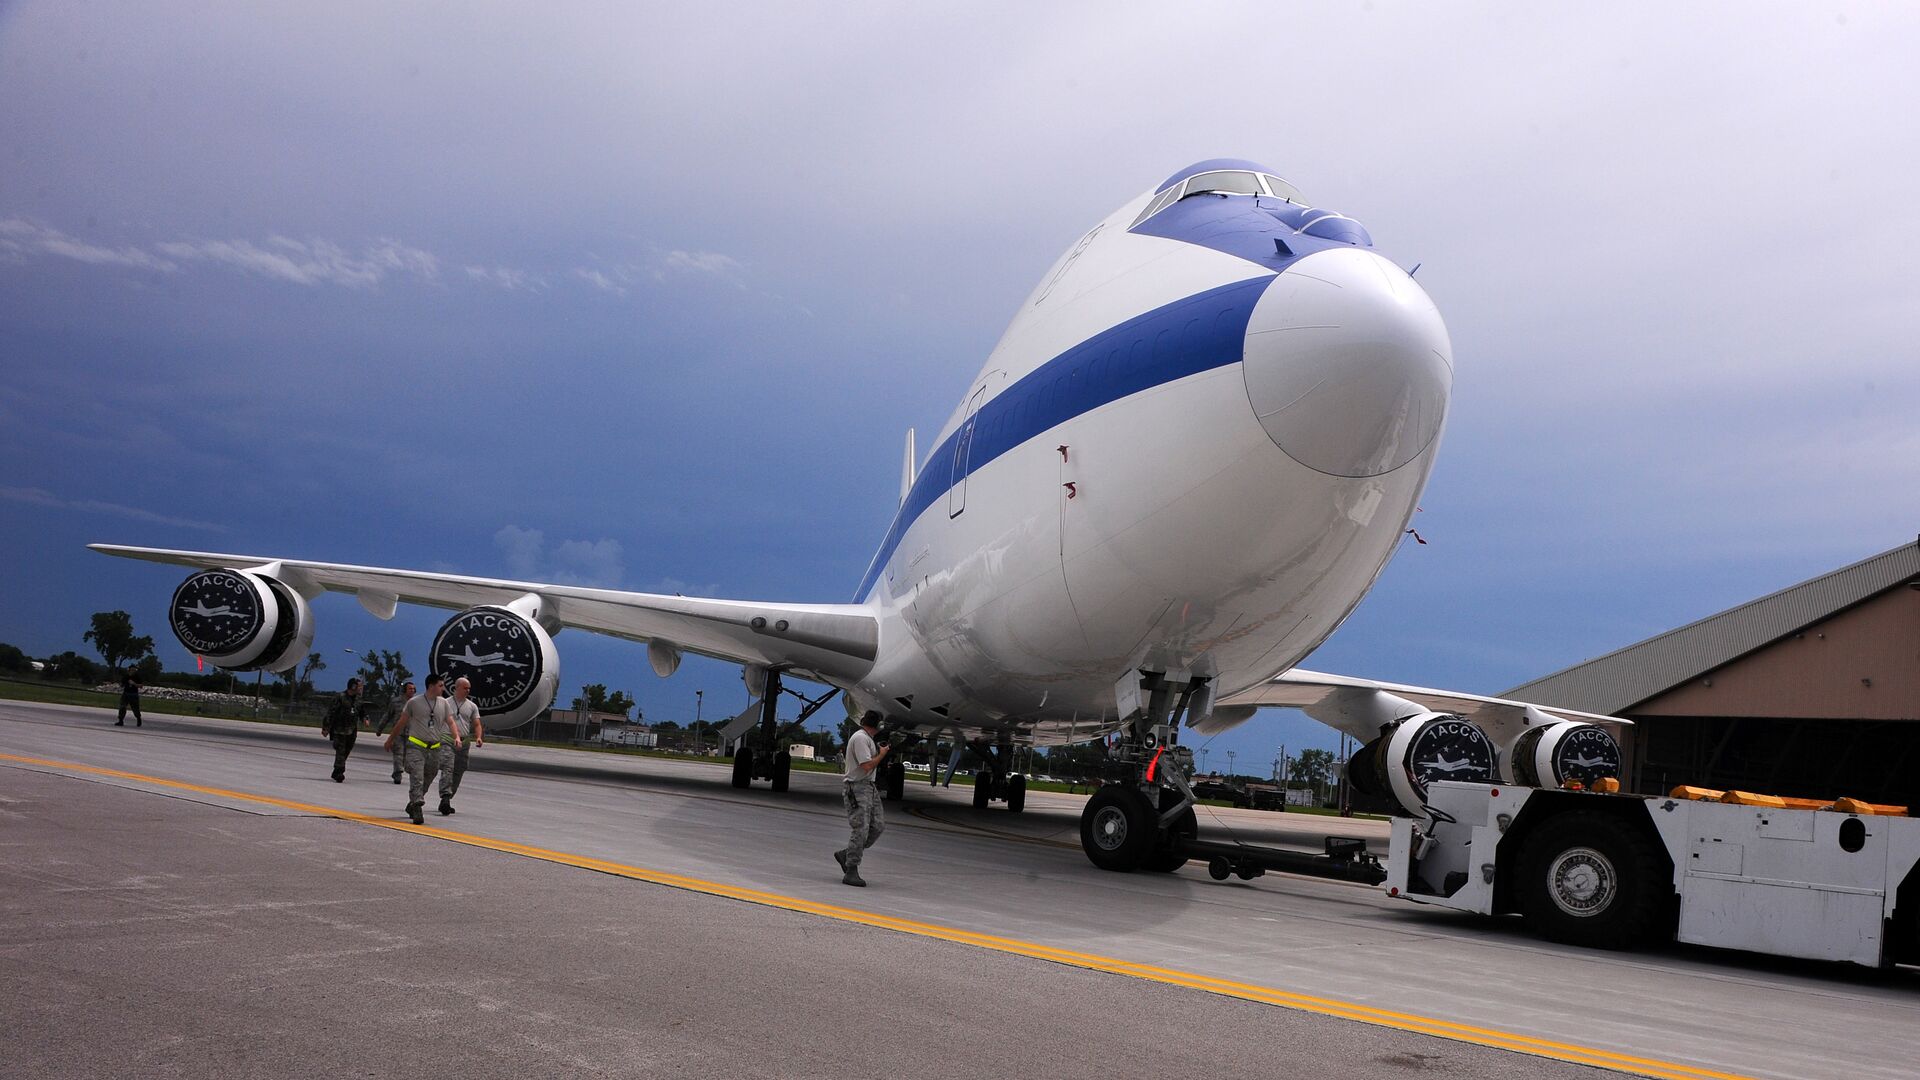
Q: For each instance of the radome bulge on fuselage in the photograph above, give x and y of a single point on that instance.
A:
(1193, 450)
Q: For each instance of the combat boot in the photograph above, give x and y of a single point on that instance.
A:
(413, 811)
(446, 806)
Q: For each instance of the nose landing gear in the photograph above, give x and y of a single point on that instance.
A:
(1143, 818)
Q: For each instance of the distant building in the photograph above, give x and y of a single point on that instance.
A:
(1812, 691)
(623, 733)
(801, 751)
(568, 725)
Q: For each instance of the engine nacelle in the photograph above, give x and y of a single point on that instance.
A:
(509, 659)
(1549, 755)
(1416, 751)
(241, 620)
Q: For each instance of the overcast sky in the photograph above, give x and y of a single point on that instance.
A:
(648, 300)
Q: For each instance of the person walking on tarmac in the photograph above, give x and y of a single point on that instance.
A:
(453, 759)
(342, 724)
(129, 699)
(392, 718)
(862, 798)
(426, 724)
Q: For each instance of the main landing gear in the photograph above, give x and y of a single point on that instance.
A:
(1143, 818)
(996, 781)
(770, 761)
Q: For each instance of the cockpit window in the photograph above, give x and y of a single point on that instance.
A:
(1224, 182)
(1280, 189)
(1158, 204)
(1229, 183)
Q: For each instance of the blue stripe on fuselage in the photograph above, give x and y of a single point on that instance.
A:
(1199, 333)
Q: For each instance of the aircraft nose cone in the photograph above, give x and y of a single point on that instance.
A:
(1348, 365)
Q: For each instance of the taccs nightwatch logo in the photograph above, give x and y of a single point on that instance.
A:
(1449, 749)
(1587, 754)
(216, 613)
(496, 651)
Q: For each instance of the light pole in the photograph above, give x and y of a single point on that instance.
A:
(1203, 759)
(1230, 772)
(699, 699)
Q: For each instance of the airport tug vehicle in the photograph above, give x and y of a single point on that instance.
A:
(1823, 881)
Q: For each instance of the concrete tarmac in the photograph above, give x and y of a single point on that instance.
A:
(152, 929)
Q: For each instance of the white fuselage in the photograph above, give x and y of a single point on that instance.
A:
(1175, 459)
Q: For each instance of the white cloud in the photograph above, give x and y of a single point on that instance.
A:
(701, 262)
(312, 262)
(598, 563)
(21, 239)
(506, 277)
(613, 283)
(41, 497)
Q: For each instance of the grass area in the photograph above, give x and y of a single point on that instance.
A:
(56, 693)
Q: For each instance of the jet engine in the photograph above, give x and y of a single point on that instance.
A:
(242, 620)
(1412, 753)
(1550, 755)
(508, 658)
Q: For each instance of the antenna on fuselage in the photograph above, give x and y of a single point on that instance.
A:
(907, 471)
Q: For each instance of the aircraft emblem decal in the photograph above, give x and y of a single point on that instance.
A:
(493, 659)
(216, 613)
(495, 650)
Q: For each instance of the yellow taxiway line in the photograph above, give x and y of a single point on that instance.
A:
(1347, 1010)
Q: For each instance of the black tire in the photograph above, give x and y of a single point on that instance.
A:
(1171, 852)
(1118, 828)
(982, 790)
(1219, 869)
(1593, 880)
(1016, 794)
(782, 770)
(743, 766)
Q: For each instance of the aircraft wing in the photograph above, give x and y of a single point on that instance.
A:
(1359, 706)
(819, 641)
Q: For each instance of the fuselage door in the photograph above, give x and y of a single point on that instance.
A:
(962, 455)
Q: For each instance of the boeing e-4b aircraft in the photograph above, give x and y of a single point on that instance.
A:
(1188, 458)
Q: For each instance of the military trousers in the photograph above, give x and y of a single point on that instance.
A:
(422, 763)
(342, 747)
(453, 765)
(865, 822)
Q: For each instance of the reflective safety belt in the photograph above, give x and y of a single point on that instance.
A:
(422, 744)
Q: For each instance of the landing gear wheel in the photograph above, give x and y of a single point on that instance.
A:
(1118, 828)
(1219, 869)
(894, 781)
(982, 790)
(782, 770)
(1592, 880)
(743, 767)
(1016, 794)
(1171, 854)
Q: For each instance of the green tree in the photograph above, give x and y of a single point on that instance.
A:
(113, 636)
(71, 665)
(382, 673)
(147, 669)
(12, 659)
(1311, 768)
(595, 698)
(315, 662)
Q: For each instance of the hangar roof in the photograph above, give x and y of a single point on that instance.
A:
(1616, 682)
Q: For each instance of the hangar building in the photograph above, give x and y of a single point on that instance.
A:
(1813, 691)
